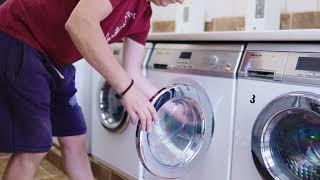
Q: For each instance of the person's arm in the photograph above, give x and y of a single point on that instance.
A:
(133, 57)
(85, 31)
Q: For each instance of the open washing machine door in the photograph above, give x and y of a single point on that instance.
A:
(113, 116)
(286, 137)
(183, 134)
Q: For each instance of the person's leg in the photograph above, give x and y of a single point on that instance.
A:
(76, 161)
(23, 166)
(25, 127)
(69, 126)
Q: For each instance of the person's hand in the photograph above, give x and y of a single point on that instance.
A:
(165, 3)
(139, 107)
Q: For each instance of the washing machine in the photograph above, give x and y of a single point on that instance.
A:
(193, 139)
(277, 124)
(113, 137)
(84, 91)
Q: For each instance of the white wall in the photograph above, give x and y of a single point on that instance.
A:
(302, 5)
(163, 13)
(221, 8)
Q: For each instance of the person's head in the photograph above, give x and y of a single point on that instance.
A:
(165, 3)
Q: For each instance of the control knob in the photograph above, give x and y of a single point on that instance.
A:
(213, 62)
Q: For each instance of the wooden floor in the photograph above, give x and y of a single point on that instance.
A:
(46, 171)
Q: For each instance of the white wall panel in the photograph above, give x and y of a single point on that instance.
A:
(164, 13)
(222, 8)
(302, 5)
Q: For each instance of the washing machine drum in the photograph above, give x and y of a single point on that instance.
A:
(113, 116)
(183, 134)
(286, 137)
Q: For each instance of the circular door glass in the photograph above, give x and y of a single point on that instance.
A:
(297, 140)
(289, 141)
(184, 133)
(113, 115)
(177, 138)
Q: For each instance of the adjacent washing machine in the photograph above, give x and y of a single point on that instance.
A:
(113, 137)
(277, 124)
(193, 139)
(84, 91)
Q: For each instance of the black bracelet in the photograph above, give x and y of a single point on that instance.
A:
(119, 96)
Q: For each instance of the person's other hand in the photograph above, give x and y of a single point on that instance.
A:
(139, 108)
(165, 3)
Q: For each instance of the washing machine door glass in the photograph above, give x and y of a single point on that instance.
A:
(286, 137)
(183, 134)
(113, 115)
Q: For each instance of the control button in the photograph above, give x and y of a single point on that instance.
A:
(227, 68)
(213, 61)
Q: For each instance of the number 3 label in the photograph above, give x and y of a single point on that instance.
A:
(253, 99)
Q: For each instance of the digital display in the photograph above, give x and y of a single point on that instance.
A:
(308, 64)
(185, 55)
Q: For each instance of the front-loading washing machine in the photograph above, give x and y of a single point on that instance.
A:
(277, 124)
(193, 139)
(84, 91)
(113, 137)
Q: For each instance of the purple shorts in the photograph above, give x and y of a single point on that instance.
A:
(37, 101)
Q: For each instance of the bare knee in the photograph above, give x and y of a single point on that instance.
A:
(73, 145)
(28, 159)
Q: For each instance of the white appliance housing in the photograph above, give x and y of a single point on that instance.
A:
(277, 110)
(84, 92)
(113, 137)
(213, 67)
(263, 15)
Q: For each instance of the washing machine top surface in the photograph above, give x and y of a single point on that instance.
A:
(206, 59)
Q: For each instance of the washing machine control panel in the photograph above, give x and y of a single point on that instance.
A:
(282, 62)
(196, 59)
(303, 67)
(263, 65)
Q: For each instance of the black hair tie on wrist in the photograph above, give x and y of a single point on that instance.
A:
(119, 96)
